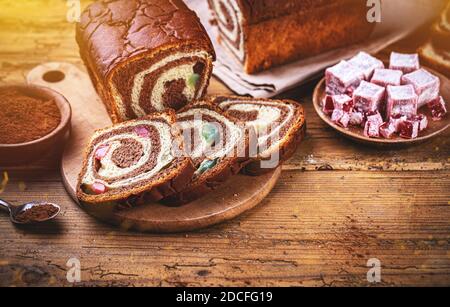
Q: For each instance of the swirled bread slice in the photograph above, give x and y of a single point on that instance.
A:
(135, 162)
(144, 56)
(217, 144)
(279, 126)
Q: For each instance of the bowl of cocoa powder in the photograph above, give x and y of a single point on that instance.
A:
(34, 120)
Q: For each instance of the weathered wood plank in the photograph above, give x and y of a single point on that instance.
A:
(315, 228)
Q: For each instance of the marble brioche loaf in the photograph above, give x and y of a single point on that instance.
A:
(135, 162)
(144, 56)
(279, 125)
(266, 33)
(217, 144)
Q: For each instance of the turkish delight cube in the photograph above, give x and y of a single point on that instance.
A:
(409, 129)
(328, 105)
(437, 108)
(425, 84)
(368, 97)
(340, 117)
(405, 62)
(343, 102)
(395, 121)
(387, 130)
(401, 100)
(366, 63)
(423, 121)
(340, 102)
(342, 78)
(356, 118)
(385, 77)
(373, 124)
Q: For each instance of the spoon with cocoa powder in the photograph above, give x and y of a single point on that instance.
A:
(33, 212)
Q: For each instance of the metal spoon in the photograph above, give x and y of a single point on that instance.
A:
(15, 210)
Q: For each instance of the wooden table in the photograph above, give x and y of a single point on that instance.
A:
(336, 206)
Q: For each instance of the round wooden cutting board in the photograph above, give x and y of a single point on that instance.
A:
(239, 194)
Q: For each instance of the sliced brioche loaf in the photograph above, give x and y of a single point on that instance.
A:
(279, 126)
(134, 162)
(217, 144)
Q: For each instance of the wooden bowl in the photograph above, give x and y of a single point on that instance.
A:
(16, 154)
(356, 133)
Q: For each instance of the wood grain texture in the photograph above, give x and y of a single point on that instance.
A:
(336, 205)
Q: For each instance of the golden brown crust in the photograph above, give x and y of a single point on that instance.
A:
(290, 142)
(112, 33)
(211, 180)
(172, 182)
(277, 32)
(303, 34)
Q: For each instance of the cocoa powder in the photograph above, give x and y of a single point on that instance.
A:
(36, 213)
(24, 118)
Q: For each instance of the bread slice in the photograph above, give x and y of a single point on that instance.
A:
(217, 144)
(436, 59)
(135, 162)
(279, 124)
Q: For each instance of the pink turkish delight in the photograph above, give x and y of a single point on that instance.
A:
(373, 124)
(425, 84)
(340, 117)
(409, 129)
(395, 121)
(368, 97)
(387, 130)
(356, 118)
(342, 78)
(437, 108)
(339, 102)
(401, 100)
(328, 105)
(343, 102)
(366, 63)
(385, 77)
(423, 121)
(405, 62)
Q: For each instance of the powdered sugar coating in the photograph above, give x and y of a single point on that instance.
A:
(368, 97)
(373, 124)
(405, 62)
(385, 77)
(401, 100)
(342, 78)
(425, 84)
(366, 63)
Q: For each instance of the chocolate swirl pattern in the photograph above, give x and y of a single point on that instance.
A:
(279, 126)
(223, 140)
(133, 158)
(217, 144)
(228, 16)
(171, 82)
(269, 119)
(144, 56)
